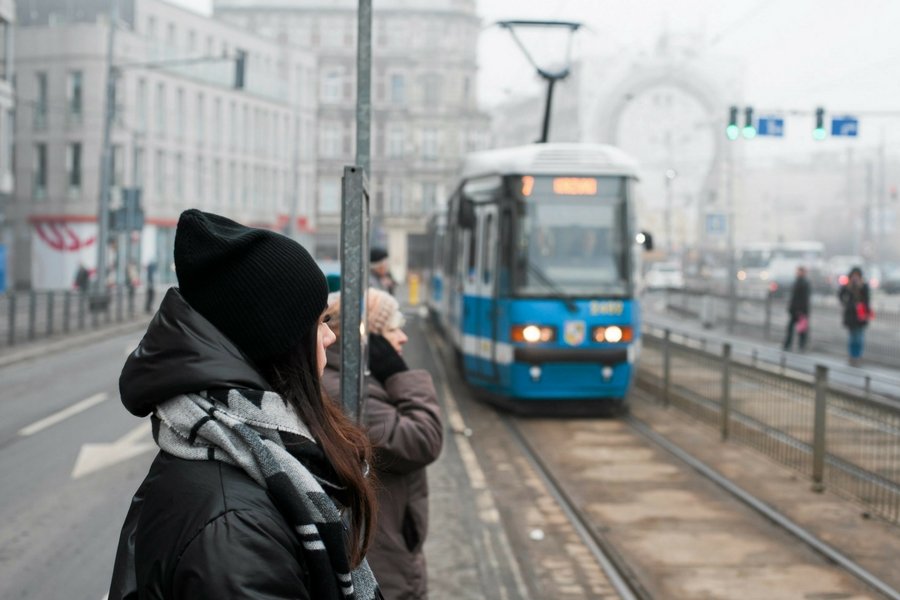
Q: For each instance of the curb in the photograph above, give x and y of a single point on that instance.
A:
(43, 349)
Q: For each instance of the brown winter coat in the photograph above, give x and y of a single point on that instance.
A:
(404, 425)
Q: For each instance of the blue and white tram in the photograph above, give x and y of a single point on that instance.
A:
(534, 275)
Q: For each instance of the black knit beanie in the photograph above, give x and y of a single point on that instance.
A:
(261, 289)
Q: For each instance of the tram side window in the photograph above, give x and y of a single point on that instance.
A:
(473, 255)
(487, 247)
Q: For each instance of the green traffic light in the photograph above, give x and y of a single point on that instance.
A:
(819, 133)
(732, 132)
(749, 132)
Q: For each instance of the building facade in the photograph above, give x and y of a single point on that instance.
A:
(425, 115)
(185, 132)
(7, 105)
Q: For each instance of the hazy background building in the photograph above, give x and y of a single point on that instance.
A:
(425, 112)
(7, 106)
(183, 132)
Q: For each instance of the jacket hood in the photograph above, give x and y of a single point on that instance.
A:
(182, 352)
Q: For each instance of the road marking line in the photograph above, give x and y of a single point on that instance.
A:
(63, 414)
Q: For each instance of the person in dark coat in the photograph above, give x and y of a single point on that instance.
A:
(259, 490)
(854, 297)
(404, 424)
(379, 271)
(798, 309)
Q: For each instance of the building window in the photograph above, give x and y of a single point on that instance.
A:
(160, 172)
(40, 104)
(396, 142)
(4, 49)
(429, 197)
(40, 171)
(139, 167)
(201, 118)
(329, 195)
(330, 140)
(233, 126)
(141, 98)
(398, 89)
(429, 143)
(73, 168)
(332, 80)
(179, 177)
(160, 109)
(198, 182)
(217, 180)
(217, 123)
(431, 90)
(332, 33)
(74, 96)
(232, 188)
(395, 197)
(179, 113)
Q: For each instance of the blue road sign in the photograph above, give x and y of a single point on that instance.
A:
(846, 126)
(772, 126)
(716, 223)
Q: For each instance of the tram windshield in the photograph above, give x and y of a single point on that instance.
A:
(572, 234)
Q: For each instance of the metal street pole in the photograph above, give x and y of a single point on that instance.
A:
(106, 156)
(732, 270)
(354, 229)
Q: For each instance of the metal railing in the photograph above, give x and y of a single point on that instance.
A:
(33, 315)
(846, 441)
(765, 317)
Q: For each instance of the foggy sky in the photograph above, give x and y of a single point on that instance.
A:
(796, 54)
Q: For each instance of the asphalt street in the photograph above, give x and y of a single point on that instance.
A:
(59, 526)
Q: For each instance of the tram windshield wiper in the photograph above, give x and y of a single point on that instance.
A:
(554, 287)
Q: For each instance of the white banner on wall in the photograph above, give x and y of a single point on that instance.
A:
(58, 249)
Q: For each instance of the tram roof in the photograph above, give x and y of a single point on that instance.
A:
(551, 159)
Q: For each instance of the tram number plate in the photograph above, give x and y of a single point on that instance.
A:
(607, 308)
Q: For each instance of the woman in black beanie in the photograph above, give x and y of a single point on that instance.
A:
(260, 488)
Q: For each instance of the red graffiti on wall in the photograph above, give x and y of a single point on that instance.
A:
(61, 237)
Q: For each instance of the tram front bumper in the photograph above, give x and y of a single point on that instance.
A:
(571, 373)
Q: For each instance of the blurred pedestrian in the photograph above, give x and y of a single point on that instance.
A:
(379, 271)
(132, 279)
(798, 309)
(151, 290)
(82, 279)
(854, 297)
(403, 419)
(259, 489)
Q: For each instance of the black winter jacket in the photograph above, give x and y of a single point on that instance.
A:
(198, 529)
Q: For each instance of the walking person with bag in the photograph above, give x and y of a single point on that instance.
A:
(854, 297)
(401, 414)
(798, 309)
(259, 490)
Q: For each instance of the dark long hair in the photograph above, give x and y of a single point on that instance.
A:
(295, 376)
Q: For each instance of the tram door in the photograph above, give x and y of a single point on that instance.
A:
(484, 290)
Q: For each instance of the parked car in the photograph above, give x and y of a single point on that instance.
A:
(664, 275)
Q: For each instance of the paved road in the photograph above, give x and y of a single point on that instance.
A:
(58, 532)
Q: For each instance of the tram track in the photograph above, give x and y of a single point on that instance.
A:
(623, 576)
(627, 573)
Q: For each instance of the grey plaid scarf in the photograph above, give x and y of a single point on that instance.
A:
(258, 432)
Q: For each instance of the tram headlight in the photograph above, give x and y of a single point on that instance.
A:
(532, 334)
(612, 334)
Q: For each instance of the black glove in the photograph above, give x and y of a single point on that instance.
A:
(383, 359)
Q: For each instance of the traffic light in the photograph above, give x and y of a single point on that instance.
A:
(819, 131)
(732, 130)
(240, 66)
(749, 127)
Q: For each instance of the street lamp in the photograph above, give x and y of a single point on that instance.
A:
(551, 75)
